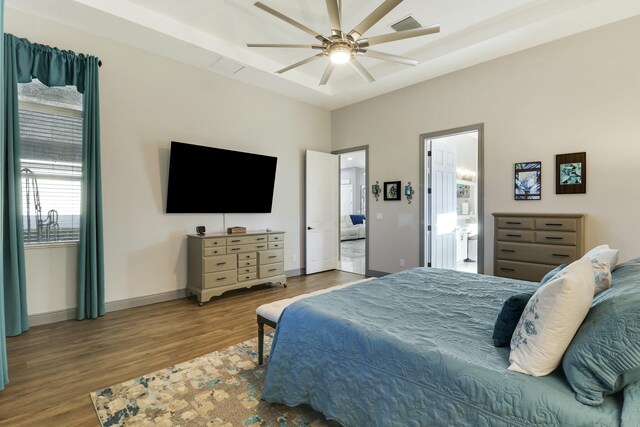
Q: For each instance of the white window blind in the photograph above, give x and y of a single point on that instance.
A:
(51, 155)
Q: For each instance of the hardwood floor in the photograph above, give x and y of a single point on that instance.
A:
(53, 368)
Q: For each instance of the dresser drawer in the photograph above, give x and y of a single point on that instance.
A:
(276, 237)
(246, 248)
(214, 251)
(559, 224)
(536, 253)
(247, 262)
(247, 276)
(556, 237)
(271, 256)
(221, 278)
(276, 245)
(210, 243)
(243, 240)
(245, 270)
(522, 270)
(516, 235)
(247, 255)
(270, 270)
(515, 223)
(219, 263)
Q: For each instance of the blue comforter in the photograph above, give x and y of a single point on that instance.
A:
(414, 349)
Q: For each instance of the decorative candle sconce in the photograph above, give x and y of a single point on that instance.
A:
(375, 190)
(408, 191)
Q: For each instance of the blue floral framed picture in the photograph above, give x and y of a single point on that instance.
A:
(571, 173)
(528, 181)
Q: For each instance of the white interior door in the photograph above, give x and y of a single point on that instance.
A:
(443, 204)
(321, 211)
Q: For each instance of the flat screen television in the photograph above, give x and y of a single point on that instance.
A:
(212, 180)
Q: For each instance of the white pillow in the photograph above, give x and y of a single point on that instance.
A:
(604, 253)
(602, 275)
(551, 319)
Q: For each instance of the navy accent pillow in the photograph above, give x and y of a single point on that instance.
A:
(552, 273)
(357, 218)
(508, 318)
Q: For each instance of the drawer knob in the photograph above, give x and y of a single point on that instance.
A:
(235, 249)
(261, 247)
(221, 278)
(273, 256)
(513, 223)
(554, 238)
(508, 250)
(272, 269)
(506, 269)
(221, 263)
(514, 235)
(561, 255)
(553, 224)
(235, 241)
(260, 238)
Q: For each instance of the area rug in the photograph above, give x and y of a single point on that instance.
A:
(222, 388)
(352, 248)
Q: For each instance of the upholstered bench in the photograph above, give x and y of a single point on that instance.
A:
(269, 314)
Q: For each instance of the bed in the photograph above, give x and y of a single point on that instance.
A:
(415, 349)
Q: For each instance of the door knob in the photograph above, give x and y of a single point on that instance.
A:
(309, 228)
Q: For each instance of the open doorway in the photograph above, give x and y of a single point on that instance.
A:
(353, 210)
(452, 208)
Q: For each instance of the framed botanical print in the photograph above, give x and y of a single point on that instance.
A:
(392, 190)
(527, 181)
(571, 173)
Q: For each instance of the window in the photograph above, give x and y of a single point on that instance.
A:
(51, 162)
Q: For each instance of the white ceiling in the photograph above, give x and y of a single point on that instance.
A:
(211, 34)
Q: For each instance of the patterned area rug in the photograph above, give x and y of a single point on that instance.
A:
(219, 389)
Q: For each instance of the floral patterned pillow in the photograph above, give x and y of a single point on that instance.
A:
(551, 319)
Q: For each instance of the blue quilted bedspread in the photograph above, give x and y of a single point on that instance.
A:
(414, 349)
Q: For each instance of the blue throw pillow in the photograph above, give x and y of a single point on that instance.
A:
(604, 356)
(552, 273)
(508, 318)
(357, 219)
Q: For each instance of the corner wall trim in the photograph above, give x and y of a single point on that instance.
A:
(70, 313)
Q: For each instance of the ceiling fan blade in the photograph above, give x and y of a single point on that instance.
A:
(327, 74)
(307, 46)
(361, 70)
(391, 37)
(290, 21)
(373, 17)
(389, 57)
(297, 64)
(334, 17)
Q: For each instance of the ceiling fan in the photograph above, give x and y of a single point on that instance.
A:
(343, 47)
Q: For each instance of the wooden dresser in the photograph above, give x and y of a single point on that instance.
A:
(527, 246)
(217, 263)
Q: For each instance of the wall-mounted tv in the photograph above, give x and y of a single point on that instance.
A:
(212, 180)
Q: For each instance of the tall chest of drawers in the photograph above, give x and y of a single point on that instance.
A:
(217, 263)
(527, 246)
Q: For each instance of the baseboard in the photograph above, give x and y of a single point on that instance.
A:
(70, 313)
(374, 273)
(294, 273)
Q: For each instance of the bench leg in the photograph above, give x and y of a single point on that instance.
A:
(260, 342)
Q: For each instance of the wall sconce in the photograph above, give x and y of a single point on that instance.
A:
(408, 191)
(375, 190)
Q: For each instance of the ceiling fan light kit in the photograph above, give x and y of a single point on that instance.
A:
(343, 48)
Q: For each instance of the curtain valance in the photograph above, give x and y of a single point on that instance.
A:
(50, 65)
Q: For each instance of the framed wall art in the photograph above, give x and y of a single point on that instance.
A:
(528, 181)
(571, 173)
(392, 190)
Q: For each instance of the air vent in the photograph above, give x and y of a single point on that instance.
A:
(405, 24)
(226, 65)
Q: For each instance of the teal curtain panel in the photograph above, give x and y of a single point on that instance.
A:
(90, 248)
(4, 368)
(14, 277)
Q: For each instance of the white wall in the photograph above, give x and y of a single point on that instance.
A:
(577, 94)
(147, 101)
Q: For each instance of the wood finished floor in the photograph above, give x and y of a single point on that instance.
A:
(53, 368)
